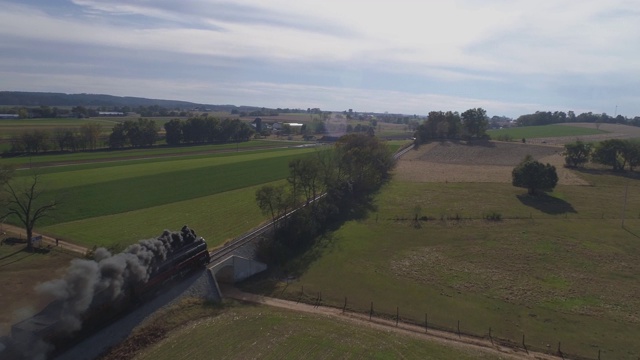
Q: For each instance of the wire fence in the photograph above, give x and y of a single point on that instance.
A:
(448, 326)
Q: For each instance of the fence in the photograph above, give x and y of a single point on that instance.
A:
(453, 330)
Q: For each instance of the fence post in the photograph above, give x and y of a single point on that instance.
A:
(397, 314)
(426, 323)
(371, 311)
(490, 337)
(345, 304)
(458, 328)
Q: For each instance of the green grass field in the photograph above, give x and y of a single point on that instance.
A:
(531, 132)
(128, 154)
(120, 202)
(558, 269)
(248, 332)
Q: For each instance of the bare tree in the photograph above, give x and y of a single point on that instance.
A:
(25, 203)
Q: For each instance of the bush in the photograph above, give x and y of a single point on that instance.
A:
(493, 216)
(504, 137)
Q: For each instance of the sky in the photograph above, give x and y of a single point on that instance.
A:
(510, 57)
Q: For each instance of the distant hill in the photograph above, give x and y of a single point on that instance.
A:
(19, 98)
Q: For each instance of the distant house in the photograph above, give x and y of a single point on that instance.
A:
(9, 116)
(110, 113)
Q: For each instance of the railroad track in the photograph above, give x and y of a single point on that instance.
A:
(222, 252)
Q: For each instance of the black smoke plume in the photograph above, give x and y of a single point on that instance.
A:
(108, 279)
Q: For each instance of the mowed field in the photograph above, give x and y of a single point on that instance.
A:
(557, 269)
(258, 332)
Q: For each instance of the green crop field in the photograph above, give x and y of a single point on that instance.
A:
(531, 132)
(244, 332)
(559, 268)
(217, 218)
(124, 200)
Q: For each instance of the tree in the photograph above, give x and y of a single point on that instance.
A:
(91, 134)
(610, 152)
(173, 130)
(118, 137)
(577, 153)
(25, 203)
(632, 153)
(534, 176)
(364, 162)
(475, 122)
(274, 200)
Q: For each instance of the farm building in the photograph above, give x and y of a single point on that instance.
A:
(110, 113)
(9, 116)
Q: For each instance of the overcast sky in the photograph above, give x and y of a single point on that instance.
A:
(510, 57)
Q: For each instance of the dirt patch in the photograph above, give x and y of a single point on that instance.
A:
(478, 162)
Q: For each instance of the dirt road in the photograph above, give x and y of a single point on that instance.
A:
(445, 338)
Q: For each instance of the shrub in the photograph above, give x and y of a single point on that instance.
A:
(493, 216)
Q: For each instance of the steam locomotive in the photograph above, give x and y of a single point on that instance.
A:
(48, 327)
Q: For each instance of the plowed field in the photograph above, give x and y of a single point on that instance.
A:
(448, 161)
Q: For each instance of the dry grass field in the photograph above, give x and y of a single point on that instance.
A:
(448, 161)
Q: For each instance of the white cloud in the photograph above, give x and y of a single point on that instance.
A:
(474, 46)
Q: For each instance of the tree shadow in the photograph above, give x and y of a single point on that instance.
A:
(547, 204)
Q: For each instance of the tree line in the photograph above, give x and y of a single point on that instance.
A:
(617, 153)
(558, 117)
(86, 137)
(206, 129)
(140, 133)
(472, 123)
(348, 174)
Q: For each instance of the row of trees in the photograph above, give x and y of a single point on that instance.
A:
(556, 117)
(472, 123)
(140, 133)
(348, 174)
(206, 129)
(617, 153)
(86, 137)
(143, 132)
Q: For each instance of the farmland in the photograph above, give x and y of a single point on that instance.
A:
(213, 189)
(545, 131)
(241, 332)
(558, 268)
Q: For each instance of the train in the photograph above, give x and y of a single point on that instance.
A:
(47, 329)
